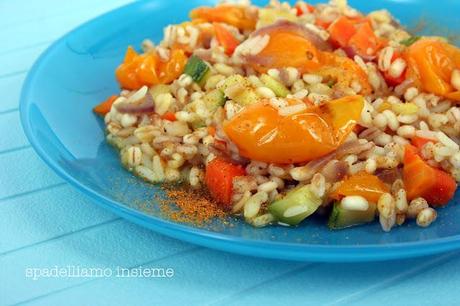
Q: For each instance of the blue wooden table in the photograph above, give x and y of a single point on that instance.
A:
(47, 226)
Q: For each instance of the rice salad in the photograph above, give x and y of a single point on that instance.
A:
(286, 111)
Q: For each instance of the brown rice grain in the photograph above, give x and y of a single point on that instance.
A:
(416, 206)
(252, 206)
(406, 131)
(392, 121)
(400, 219)
(263, 220)
(387, 211)
(380, 121)
(147, 149)
(401, 201)
(312, 78)
(407, 119)
(265, 92)
(426, 216)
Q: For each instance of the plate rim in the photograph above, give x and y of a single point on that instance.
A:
(215, 240)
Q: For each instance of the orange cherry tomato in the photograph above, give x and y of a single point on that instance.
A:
(430, 65)
(148, 69)
(172, 69)
(344, 71)
(234, 15)
(454, 96)
(126, 73)
(290, 46)
(261, 133)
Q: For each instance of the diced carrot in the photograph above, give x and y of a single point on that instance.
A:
(211, 130)
(422, 180)
(105, 106)
(299, 10)
(323, 24)
(341, 31)
(225, 38)
(302, 8)
(219, 180)
(364, 41)
(419, 142)
(170, 116)
(363, 184)
(390, 80)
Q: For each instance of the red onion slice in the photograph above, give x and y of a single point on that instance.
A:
(145, 105)
(335, 170)
(352, 147)
(316, 165)
(390, 175)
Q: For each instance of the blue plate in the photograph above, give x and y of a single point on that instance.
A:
(77, 72)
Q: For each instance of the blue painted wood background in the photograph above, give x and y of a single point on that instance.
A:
(44, 223)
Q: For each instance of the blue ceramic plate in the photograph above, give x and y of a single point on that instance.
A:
(77, 72)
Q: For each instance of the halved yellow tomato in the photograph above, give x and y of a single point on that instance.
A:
(261, 133)
(430, 65)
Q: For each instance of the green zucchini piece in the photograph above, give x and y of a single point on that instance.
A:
(295, 206)
(248, 96)
(342, 218)
(159, 89)
(196, 68)
(279, 89)
(409, 41)
(233, 80)
(198, 124)
(214, 99)
(205, 78)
